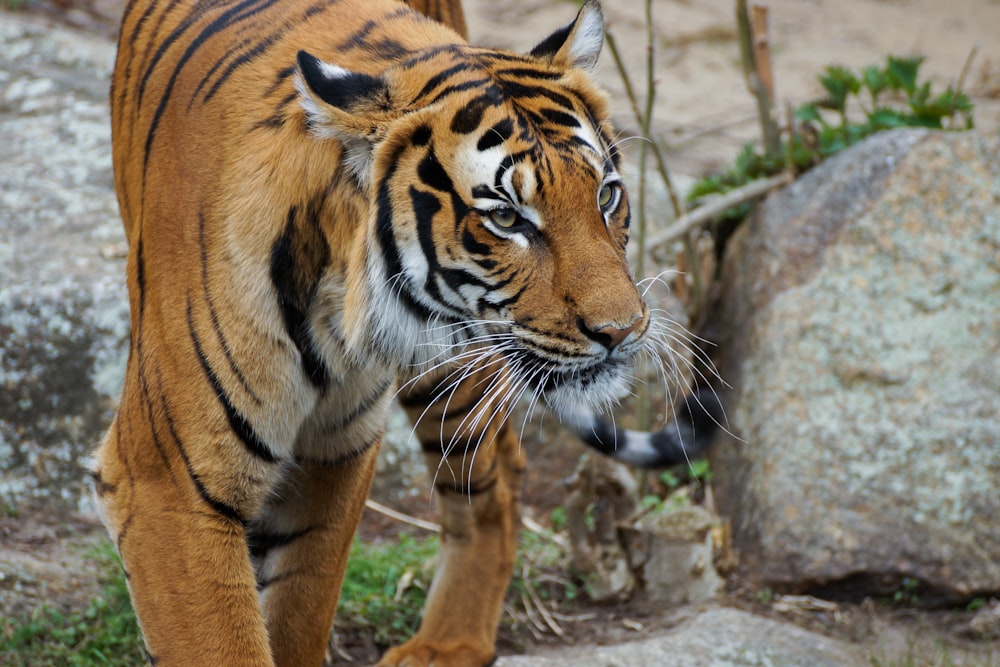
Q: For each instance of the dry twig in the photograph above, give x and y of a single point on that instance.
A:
(708, 212)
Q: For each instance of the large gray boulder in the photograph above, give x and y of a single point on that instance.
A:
(717, 637)
(859, 326)
(63, 309)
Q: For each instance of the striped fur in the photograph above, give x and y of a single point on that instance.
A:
(328, 203)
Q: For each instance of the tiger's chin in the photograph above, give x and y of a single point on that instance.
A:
(594, 389)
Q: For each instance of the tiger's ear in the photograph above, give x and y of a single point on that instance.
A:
(577, 44)
(351, 107)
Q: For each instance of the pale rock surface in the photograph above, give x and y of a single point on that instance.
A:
(860, 329)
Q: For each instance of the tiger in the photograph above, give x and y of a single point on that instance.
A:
(331, 205)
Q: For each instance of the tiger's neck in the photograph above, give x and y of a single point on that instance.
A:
(384, 324)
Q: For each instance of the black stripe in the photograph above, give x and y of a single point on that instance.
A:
(346, 458)
(214, 68)
(472, 245)
(387, 242)
(470, 488)
(216, 325)
(237, 422)
(485, 192)
(564, 119)
(425, 206)
(247, 57)
(361, 38)
(364, 405)
(431, 173)
(470, 116)
(298, 258)
(439, 79)
(503, 303)
(421, 136)
(459, 88)
(466, 489)
(520, 91)
(147, 401)
(232, 15)
(102, 488)
(278, 578)
(529, 73)
(260, 544)
(277, 119)
(224, 509)
(496, 135)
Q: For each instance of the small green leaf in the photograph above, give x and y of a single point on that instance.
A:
(885, 119)
(874, 79)
(808, 112)
(701, 469)
(839, 82)
(669, 479)
(903, 72)
(651, 502)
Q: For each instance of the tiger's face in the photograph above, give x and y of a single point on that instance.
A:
(499, 218)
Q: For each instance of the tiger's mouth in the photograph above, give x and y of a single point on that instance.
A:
(598, 384)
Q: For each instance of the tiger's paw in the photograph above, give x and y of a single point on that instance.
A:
(417, 653)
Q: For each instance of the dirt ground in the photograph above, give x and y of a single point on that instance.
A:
(703, 114)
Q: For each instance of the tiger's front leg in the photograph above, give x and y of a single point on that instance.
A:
(477, 467)
(299, 549)
(239, 564)
(183, 550)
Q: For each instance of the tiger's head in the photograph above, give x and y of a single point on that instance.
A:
(499, 219)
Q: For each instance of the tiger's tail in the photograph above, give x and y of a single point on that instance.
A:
(685, 438)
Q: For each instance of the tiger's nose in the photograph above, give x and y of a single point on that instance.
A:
(608, 336)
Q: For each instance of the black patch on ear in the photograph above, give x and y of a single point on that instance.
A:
(342, 92)
(549, 46)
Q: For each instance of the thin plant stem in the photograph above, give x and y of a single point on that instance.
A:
(661, 162)
(643, 417)
(755, 82)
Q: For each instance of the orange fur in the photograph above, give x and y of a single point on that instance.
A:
(292, 226)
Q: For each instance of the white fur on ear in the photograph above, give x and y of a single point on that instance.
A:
(315, 116)
(587, 38)
(338, 105)
(577, 44)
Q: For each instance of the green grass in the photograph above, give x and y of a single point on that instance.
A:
(106, 633)
(385, 587)
(383, 594)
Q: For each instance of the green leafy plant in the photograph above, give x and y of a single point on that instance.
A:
(855, 105)
(888, 97)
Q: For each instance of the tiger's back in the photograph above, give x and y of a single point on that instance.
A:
(325, 200)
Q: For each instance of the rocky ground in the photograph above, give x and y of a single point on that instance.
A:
(55, 58)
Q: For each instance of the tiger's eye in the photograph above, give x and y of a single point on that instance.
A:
(503, 217)
(606, 196)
